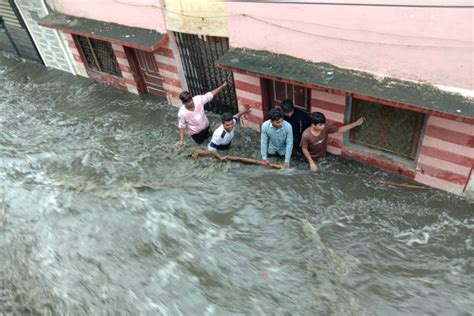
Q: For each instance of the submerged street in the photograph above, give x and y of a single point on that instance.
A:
(101, 214)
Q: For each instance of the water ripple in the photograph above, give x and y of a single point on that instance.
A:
(101, 214)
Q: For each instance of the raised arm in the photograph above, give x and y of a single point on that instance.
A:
(219, 89)
(243, 112)
(348, 127)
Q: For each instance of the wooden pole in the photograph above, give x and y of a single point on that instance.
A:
(204, 153)
(401, 184)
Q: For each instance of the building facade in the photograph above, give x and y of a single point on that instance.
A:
(157, 47)
(408, 71)
(123, 44)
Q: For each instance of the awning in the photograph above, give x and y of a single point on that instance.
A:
(349, 82)
(143, 39)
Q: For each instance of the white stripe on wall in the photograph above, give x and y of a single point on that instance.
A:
(451, 125)
(444, 165)
(165, 60)
(256, 112)
(118, 47)
(439, 183)
(123, 61)
(337, 117)
(168, 74)
(131, 88)
(328, 97)
(447, 146)
(248, 95)
(172, 88)
(248, 79)
(127, 75)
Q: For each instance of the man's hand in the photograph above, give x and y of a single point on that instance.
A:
(348, 127)
(286, 165)
(247, 109)
(360, 121)
(224, 159)
(224, 84)
(313, 167)
(266, 163)
(180, 144)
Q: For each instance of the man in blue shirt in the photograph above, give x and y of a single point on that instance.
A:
(276, 137)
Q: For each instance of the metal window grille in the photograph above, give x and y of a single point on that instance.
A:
(198, 54)
(99, 55)
(387, 128)
(299, 95)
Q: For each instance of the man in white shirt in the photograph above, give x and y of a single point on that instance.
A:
(222, 137)
(192, 116)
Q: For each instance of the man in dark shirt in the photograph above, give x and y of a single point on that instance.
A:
(298, 119)
(314, 141)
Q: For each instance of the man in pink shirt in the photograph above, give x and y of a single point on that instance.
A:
(191, 115)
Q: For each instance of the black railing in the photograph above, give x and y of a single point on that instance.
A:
(198, 54)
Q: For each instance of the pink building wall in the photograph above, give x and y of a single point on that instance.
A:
(446, 152)
(426, 44)
(446, 155)
(125, 82)
(136, 13)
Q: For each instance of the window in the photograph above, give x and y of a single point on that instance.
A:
(99, 55)
(387, 128)
(279, 91)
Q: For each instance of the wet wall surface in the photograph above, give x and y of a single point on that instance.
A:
(100, 214)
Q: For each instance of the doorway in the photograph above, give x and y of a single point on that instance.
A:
(151, 80)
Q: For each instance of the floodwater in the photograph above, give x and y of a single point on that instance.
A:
(100, 214)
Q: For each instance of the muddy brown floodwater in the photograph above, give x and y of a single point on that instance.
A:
(100, 214)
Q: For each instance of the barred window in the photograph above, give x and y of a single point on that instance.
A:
(279, 91)
(387, 128)
(99, 55)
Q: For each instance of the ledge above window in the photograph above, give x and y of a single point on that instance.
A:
(419, 97)
(142, 39)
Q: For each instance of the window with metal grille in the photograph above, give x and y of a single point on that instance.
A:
(387, 128)
(279, 91)
(99, 55)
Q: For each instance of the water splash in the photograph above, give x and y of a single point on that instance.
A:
(100, 214)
